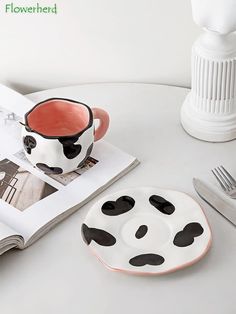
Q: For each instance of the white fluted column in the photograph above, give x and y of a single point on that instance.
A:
(209, 111)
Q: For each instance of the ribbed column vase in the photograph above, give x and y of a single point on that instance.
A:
(209, 111)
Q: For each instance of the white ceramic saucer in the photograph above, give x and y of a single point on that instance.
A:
(147, 230)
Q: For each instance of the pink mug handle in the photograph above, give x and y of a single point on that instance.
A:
(103, 116)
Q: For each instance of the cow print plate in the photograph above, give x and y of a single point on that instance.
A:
(147, 230)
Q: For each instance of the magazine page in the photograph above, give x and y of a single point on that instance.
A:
(9, 238)
(14, 102)
(29, 198)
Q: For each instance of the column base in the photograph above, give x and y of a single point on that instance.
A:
(207, 127)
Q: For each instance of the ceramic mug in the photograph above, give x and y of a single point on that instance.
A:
(58, 134)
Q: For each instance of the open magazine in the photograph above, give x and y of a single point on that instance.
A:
(31, 202)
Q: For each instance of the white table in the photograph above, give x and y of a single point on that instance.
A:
(59, 275)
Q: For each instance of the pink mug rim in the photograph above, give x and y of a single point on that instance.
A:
(78, 134)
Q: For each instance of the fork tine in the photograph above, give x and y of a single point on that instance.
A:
(219, 181)
(223, 180)
(227, 180)
(229, 176)
(218, 178)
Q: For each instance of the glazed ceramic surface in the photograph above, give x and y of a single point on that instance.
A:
(59, 134)
(147, 230)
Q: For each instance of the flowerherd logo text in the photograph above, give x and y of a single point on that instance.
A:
(37, 8)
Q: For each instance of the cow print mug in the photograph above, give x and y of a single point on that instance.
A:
(58, 134)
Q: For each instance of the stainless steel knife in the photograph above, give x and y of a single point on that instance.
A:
(216, 201)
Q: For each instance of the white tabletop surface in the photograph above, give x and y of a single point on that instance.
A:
(58, 274)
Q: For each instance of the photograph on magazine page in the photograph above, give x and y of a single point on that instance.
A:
(19, 187)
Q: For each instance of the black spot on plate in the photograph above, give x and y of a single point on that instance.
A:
(49, 170)
(186, 236)
(100, 236)
(147, 259)
(122, 205)
(162, 204)
(194, 228)
(141, 232)
(29, 143)
(70, 150)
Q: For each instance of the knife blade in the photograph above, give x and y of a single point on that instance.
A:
(216, 201)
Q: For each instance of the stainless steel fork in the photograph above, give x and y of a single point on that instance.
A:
(226, 181)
